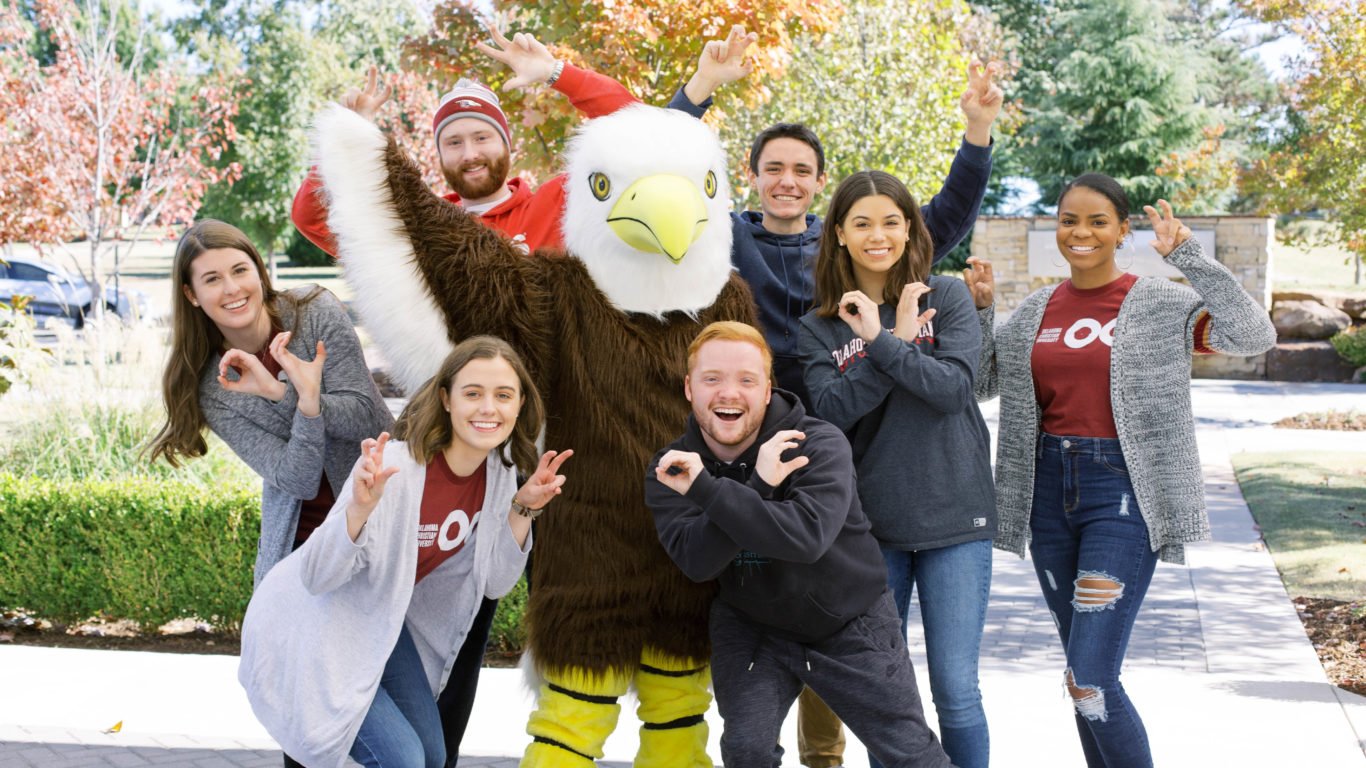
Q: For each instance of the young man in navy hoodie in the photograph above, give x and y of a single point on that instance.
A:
(761, 497)
(774, 248)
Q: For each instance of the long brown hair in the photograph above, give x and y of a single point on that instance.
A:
(835, 268)
(194, 339)
(425, 425)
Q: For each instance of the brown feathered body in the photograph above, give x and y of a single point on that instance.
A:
(602, 586)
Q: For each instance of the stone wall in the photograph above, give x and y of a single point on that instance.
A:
(1241, 243)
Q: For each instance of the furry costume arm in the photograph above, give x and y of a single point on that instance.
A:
(419, 263)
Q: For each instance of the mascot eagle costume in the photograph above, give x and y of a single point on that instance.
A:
(604, 330)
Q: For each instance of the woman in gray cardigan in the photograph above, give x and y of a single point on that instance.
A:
(1097, 472)
(238, 366)
(348, 641)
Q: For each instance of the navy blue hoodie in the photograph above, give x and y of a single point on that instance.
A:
(798, 559)
(779, 268)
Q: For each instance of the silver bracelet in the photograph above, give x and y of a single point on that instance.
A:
(556, 72)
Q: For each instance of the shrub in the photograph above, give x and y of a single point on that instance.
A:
(1351, 346)
(303, 253)
(146, 549)
(508, 633)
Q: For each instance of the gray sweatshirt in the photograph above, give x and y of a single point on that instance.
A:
(921, 448)
(1150, 368)
(287, 449)
(323, 622)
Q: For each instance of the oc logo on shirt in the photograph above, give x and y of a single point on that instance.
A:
(452, 532)
(1082, 334)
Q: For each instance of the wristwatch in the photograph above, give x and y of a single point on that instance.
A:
(525, 511)
(555, 73)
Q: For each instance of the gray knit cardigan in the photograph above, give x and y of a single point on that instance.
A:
(287, 449)
(1149, 393)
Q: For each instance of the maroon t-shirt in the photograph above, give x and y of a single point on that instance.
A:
(450, 512)
(312, 512)
(1071, 358)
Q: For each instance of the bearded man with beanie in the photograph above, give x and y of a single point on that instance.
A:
(474, 145)
(762, 498)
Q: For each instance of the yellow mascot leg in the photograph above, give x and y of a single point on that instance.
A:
(674, 698)
(575, 713)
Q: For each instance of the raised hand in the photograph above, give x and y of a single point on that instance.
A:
(252, 376)
(981, 102)
(909, 318)
(770, 465)
(530, 61)
(367, 101)
(722, 62)
(678, 470)
(544, 484)
(367, 483)
(981, 282)
(860, 313)
(307, 377)
(1168, 231)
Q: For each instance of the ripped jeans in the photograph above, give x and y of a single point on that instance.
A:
(1090, 550)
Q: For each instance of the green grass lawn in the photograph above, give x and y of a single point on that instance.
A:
(1321, 267)
(1311, 508)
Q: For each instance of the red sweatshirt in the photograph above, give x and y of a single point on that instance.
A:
(527, 217)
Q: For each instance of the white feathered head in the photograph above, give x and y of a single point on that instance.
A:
(648, 211)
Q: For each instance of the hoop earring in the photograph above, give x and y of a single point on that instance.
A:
(1058, 255)
(1129, 240)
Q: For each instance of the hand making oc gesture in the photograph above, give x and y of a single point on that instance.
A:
(367, 101)
(860, 313)
(367, 483)
(981, 282)
(981, 102)
(544, 484)
(769, 464)
(722, 62)
(909, 318)
(1168, 231)
(530, 61)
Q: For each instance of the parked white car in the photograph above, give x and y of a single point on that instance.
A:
(59, 296)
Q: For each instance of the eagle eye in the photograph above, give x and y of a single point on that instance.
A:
(709, 184)
(600, 184)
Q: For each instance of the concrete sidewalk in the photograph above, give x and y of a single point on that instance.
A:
(1218, 666)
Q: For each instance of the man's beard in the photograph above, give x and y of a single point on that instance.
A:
(497, 176)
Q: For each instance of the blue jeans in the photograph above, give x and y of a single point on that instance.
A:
(1091, 553)
(952, 585)
(402, 728)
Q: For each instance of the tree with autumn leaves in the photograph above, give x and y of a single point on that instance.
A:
(97, 147)
(650, 46)
(1319, 161)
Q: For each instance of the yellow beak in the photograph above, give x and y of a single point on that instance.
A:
(660, 214)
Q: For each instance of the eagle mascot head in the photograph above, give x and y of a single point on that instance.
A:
(647, 209)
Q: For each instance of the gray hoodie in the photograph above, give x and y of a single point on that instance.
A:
(921, 448)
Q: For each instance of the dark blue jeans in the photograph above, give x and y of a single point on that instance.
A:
(1091, 553)
(402, 728)
(952, 584)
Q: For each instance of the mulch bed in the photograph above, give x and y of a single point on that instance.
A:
(1338, 631)
(1341, 421)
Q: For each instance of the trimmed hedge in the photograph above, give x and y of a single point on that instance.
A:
(145, 549)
